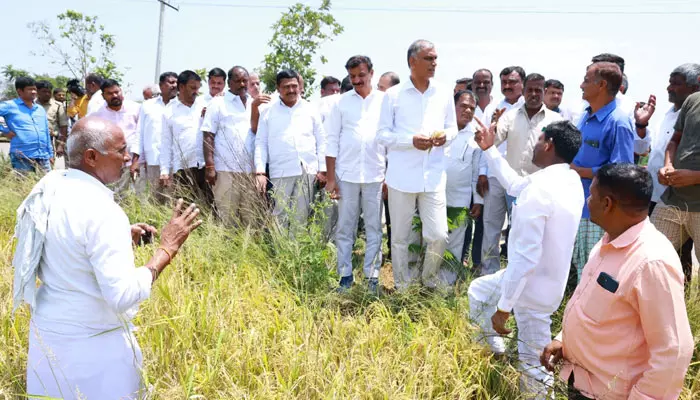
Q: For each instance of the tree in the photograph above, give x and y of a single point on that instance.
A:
(298, 35)
(10, 73)
(81, 45)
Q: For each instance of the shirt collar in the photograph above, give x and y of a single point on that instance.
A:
(628, 237)
(19, 101)
(87, 178)
(542, 109)
(604, 111)
(234, 97)
(409, 85)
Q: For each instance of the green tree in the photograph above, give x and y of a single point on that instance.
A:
(80, 45)
(10, 73)
(298, 35)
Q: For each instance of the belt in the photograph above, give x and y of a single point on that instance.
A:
(573, 393)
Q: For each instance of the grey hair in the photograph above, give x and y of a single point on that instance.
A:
(417, 46)
(155, 89)
(691, 73)
(84, 138)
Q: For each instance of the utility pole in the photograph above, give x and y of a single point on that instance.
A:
(163, 3)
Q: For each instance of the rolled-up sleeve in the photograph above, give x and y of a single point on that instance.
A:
(659, 297)
(112, 258)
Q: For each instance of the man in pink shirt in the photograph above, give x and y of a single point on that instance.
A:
(625, 330)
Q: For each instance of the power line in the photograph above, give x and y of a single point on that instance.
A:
(597, 11)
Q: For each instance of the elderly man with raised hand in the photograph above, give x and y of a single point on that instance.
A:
(81, 342)
(546, 214)
(417, 120)
(625, 332)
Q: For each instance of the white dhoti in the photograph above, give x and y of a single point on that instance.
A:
(102, 366)
(534, 333)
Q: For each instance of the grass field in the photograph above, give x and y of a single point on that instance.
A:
(243, 314)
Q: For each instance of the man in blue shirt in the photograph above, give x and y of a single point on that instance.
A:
(607, 137)
(27, 129)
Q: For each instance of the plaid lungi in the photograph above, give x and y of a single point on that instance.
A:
(589, 234)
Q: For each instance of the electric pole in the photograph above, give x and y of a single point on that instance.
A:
(163, 3)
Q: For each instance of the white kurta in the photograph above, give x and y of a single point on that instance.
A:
(81, 343)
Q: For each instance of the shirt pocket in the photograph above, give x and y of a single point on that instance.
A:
(601, 304)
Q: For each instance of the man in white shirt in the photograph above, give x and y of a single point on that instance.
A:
(546, 215)
(81, 341)
(463, 160)
(150, 92)
(356, 165)
(124, 114)
(553, 94)
(182, 149)
(93, 86)
(682, 82)
(151, 131)
(228, 151)
(496, 202)
(417, 120)
(291, 138)
(217, 83)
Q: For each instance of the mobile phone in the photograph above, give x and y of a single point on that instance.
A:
(607, 282)
(146, 238)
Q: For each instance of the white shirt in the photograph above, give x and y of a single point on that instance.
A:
(89, 283)
(407, 112)
(291, 140)
(183, 144)
(545, 217)
(504, 104)
(325, 105)
(96, 102)
(151, 130)
(234, 143)
(463, 159)
(659, 141)
(485, 118)
(126, 118)
(352, 128)
(520, 133)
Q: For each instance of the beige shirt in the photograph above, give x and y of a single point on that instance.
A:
(522, 134)
(56, 114)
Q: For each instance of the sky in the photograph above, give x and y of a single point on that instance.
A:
(554, 38)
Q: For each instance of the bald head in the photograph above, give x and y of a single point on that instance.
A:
(97, 147)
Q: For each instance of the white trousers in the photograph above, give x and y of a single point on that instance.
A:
(534, 333)
(356, 198)
(105, 366)
(433, 215)
(293, 195)
(495, 210)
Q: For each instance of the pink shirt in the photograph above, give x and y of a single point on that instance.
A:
(126, 118)
(635, 343)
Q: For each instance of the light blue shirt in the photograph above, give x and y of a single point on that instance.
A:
(31, 128)
(607, 137)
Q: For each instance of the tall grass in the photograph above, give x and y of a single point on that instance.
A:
(248, 313)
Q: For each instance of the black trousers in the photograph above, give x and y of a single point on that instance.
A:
(478, 228)
(388, 225)
(573, 393)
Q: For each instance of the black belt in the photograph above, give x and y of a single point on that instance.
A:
(573, 393)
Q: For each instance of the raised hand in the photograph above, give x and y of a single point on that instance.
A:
(182, 223)
(644, 111)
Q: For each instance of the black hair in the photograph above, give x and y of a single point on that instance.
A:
(554, 83)
(484, 70)
(356, 61)
(566, 139)
(44, 85)
(393, 76)
(217, 72)
(461, 93)
(286, 74)
(94, 78)
(166, 75)
(233, 69)
(535, 77)
(186, 76)
(510, 70)
(462, 81)
(329, 80)
(108, 83)
(23, 82)
(629, 184)
(345, 85)
(74, 87)
(609, 57)
(59, 90)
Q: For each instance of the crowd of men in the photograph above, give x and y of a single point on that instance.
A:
(580, 210)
